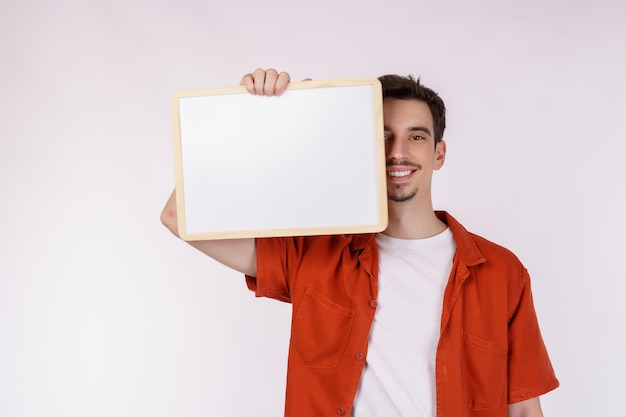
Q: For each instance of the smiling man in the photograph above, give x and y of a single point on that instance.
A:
(423, 319)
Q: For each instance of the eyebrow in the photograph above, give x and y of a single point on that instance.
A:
(413, 129)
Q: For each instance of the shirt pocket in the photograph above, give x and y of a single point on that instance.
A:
(321, 330)
(484, 372)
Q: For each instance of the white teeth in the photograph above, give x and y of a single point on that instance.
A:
(398, 173)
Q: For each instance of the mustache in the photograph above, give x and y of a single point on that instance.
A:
(403, 163)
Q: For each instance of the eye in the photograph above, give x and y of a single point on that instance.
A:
(416, 137)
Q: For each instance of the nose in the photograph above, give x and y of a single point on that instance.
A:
(395, 149)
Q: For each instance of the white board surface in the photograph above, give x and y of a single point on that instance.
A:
(310, 161)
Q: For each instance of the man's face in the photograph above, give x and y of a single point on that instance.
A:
(410, 149)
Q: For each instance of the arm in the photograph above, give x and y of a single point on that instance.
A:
(238, 254)
(527, 408)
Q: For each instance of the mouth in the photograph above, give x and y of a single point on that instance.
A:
(399, 174)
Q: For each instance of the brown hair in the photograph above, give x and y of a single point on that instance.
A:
(406, 88)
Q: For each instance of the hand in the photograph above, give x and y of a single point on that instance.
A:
(266, 82)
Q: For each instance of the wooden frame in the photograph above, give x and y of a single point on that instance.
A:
(308, 162)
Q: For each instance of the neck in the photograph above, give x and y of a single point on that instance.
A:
(409, 222)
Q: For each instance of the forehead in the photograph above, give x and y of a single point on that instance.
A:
(401, 114)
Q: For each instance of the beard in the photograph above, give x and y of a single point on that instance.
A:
(398, 195)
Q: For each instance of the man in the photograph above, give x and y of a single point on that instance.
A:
(424, 319)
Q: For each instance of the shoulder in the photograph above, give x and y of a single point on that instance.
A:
(473, 248)
(502, 265)
(495, 252)
(487, 261)
(318, 244)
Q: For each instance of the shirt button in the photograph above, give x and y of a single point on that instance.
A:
(341, 411)
(373, 303)
(359, 356)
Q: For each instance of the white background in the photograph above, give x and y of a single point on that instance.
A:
(104, 313)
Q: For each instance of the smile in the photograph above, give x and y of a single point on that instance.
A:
(398, 173)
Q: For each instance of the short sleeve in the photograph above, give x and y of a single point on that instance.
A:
(275, 256)
(530, 370)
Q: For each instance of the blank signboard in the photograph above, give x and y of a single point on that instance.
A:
(308, 162)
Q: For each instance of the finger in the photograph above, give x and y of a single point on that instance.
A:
(248, 82)
(258, 77)
(282, 82)
(271, 75)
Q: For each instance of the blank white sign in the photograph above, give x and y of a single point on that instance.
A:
(310, 161)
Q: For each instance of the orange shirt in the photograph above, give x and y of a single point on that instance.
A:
(490, 350)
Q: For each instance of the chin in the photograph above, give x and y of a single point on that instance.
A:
(401, 198)
(397, 196)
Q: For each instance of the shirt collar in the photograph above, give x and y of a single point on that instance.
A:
(361, 241)
(466, 248)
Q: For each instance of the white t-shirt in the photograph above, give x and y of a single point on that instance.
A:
(399, 375)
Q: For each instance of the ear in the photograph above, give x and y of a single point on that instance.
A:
(440, 154)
